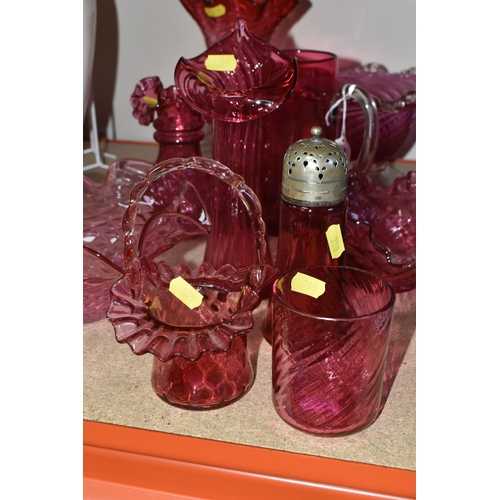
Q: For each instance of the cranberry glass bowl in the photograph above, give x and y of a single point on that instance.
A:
(395, 95)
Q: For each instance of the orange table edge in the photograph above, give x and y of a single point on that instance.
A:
(136, 464)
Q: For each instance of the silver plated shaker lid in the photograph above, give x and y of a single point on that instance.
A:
(314, 172)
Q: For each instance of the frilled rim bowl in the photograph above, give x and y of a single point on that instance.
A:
(260, 80)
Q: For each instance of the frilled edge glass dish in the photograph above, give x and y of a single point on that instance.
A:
(103, 208)
(381, 226)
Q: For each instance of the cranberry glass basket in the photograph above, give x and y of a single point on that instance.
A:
(200, 354)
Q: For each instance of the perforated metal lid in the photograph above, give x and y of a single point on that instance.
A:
(314, 171)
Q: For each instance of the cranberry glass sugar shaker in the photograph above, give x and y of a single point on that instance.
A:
(313, 204)
(313, 208)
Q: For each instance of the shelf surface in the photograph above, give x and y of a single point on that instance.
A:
(117, 390)
(119, 399)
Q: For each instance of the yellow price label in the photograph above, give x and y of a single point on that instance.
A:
(303, 283)
(151, 101)
(156, 304)
(185, 292)
(335, 241)
(217, 11)
(221, 62)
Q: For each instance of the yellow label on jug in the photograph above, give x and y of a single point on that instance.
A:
(335, 241)
(221, 62)
(308, 285)
(217, 11)
(186, 293)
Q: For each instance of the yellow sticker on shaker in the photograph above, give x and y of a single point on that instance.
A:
(217, 11)
(335, 241)
(308, 285)
(221, 62)
(186, 293)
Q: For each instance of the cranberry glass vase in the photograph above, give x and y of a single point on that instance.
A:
(235, 83)
(179, 128)
(329, 351)
(200, 351)
(216, 19)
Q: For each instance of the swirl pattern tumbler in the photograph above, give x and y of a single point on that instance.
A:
(331, 330)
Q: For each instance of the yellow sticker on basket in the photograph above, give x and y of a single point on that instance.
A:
(156, 304)
(335, 241)
(185, 292)
(221, 62)
(308, 285)
(217, 11)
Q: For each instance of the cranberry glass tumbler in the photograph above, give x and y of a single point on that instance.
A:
(329, 352)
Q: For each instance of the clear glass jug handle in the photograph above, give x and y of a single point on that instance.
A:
(370, 139)
(371, 130)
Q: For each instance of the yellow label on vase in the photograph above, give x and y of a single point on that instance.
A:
(217, 11)
(303, 283)
(151, 101)
(221, 62)
(185, 292)
(335, 241)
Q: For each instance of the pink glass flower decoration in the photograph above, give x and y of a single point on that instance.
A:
(200, 353)
(234, 83)
(144, 100)
(395, 95)
(381, 228)
(216, 18)
(179, 128)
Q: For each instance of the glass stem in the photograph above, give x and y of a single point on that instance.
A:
(237, 146)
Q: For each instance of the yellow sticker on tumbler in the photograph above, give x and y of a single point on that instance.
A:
(308, 285)
(185, 292)
(217, 11)
(221, 62)
(335, 241)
